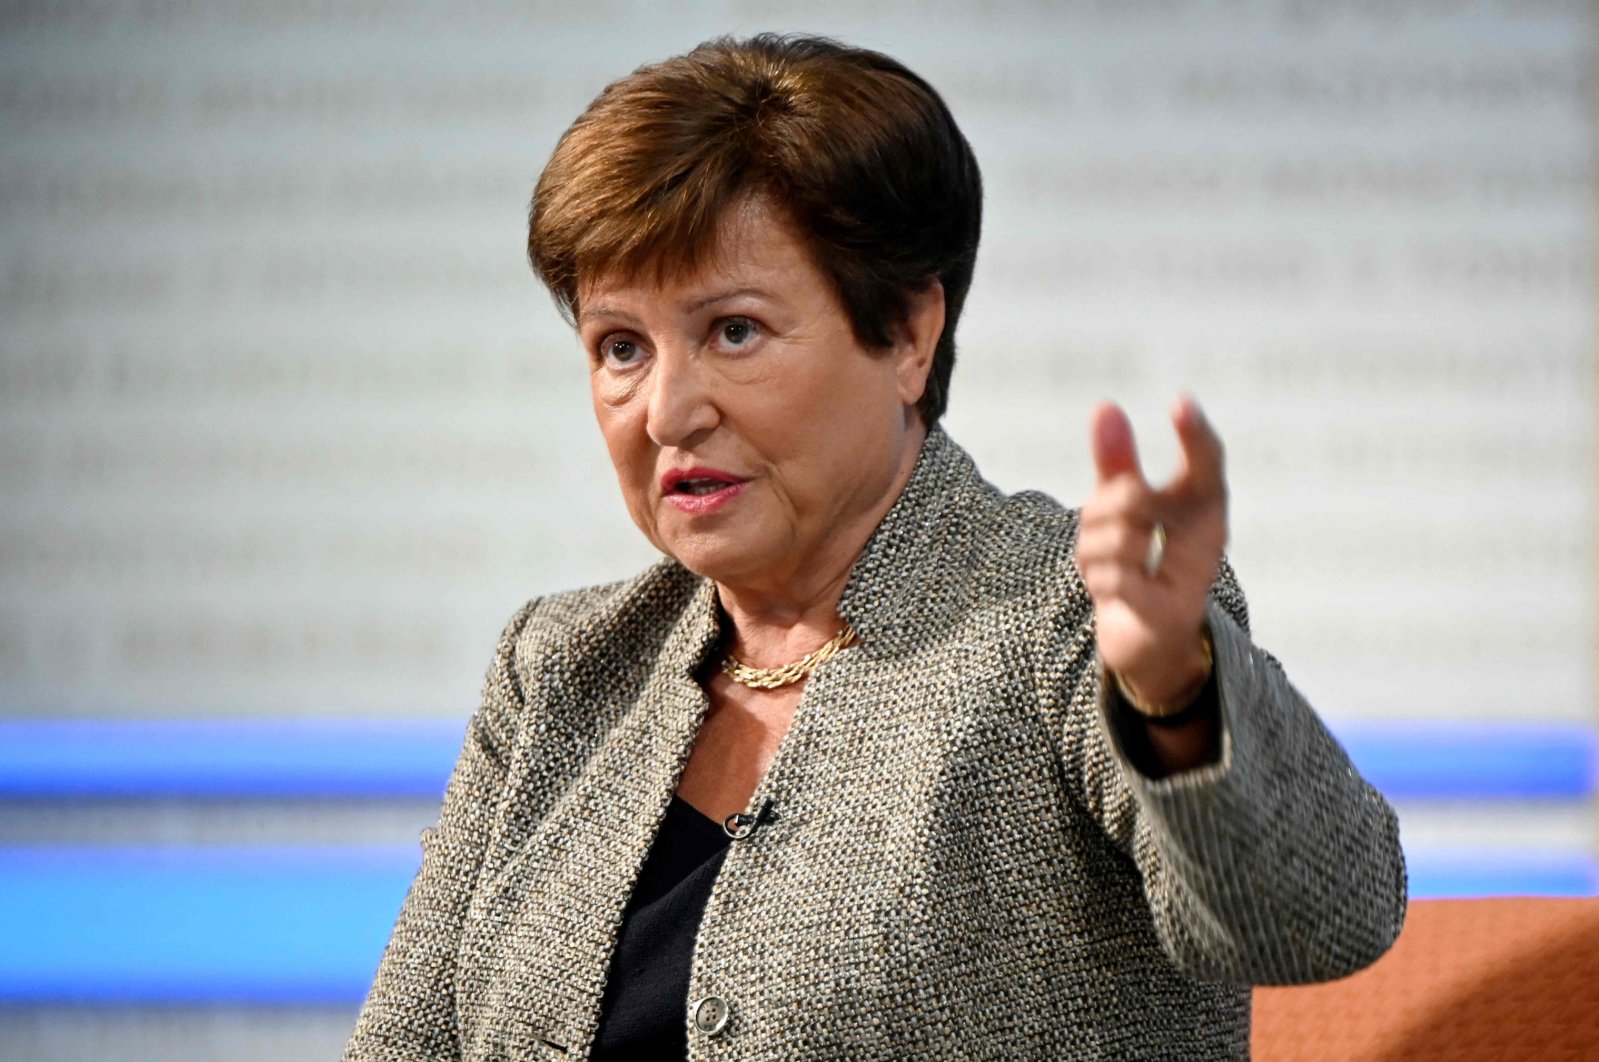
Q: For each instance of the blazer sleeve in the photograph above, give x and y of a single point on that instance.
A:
(1276, 864)
(409, 1013)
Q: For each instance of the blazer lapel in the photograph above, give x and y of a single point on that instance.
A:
(556, 905)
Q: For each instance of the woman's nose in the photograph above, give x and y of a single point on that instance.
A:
(681, 406)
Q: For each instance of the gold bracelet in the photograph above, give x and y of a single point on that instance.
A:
(1159, 711)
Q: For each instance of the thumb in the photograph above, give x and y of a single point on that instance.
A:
(1115, 453)
(1202, 465)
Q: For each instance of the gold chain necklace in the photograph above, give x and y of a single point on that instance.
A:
(769, 678)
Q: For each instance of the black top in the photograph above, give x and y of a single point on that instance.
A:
(645, 1010)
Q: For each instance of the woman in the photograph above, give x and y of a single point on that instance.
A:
(878, 761)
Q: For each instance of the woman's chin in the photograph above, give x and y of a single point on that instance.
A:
(722, 559)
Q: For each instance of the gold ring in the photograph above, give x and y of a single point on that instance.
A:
(1157, 549)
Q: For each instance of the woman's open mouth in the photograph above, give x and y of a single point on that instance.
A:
(699, 490)
(701, 486)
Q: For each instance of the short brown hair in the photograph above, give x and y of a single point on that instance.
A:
(863, 155)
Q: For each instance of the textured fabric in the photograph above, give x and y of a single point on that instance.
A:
(1496, 979)
(958, 859)
(646, 993)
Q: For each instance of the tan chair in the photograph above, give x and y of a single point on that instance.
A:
(1506, 978)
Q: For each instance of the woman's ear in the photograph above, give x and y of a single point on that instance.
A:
(918, 339)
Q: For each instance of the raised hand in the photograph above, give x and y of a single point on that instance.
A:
(1148, 556)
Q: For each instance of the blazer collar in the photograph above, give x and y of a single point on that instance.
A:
(912, 557)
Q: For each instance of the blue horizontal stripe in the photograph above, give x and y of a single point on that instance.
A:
(198, 924)
(308, 925)
(338, 758)
(1475, 761)
(1447, 874)
(227, 758)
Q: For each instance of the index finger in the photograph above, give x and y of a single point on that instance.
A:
(1202, 457)
(1111, 438)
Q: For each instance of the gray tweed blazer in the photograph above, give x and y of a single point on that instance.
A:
(956, 858)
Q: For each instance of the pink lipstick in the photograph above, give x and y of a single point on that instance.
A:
(700, 490)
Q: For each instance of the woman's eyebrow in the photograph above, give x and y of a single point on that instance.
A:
(701, 303)
(692, 306)
(590, 312)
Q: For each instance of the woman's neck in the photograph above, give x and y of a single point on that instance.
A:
(770, 630)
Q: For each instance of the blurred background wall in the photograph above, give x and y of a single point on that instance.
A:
(287, 430)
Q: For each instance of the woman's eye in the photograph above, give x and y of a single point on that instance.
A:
(619, 351)
(738, 331)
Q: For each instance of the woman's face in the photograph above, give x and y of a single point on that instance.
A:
(755, 439)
